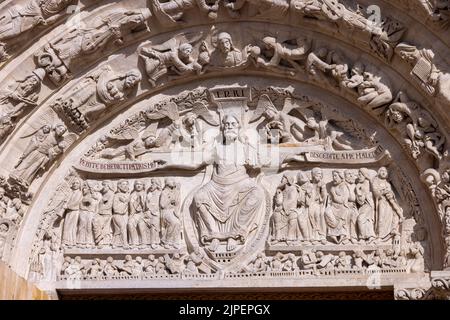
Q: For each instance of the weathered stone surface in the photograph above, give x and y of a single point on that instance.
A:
(226, 144)
(13, 287)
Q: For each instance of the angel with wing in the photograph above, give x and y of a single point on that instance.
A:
(274, 9)
(327, 130)
(184, 131)
(307, 128)
(286, 127)
(95, 93)
(287, 55)
(173, 57)
(171, 12)
(46, 144)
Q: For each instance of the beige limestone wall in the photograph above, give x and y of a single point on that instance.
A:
(13, 287)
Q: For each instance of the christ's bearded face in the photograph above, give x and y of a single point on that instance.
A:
(230, 128)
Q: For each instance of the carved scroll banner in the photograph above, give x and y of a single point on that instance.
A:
(116, 167)
(376, 155)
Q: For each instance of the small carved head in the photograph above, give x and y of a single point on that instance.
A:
(288, 179)
(150, 142)
(139, 186)
(302, 178)
(270, 113)
(123, 186)
(224, 42)
(350, 176)
(189, 120)
(185, 51)
(139, 260)
(4, 228)
(78, 259)
(17, 203)
(363, 175)
(46, 129)
(109, 260)
(446, 176)
(76, 184)
(395, 113)
(338, 177)
(107, 186)
(128, 258)
(342, 254)
(151, 257)
(383, 173)
(269, 42)
(170, 183)
(317, 174)
(60, 130)
(155, 184)
(132, 78)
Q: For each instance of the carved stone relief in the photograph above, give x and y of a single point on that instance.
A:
(92, 96)
(315, 222)
(225, 182)
(58, 57)
(22, 18)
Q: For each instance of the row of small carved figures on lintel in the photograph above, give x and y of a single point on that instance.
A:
(307, 208)
(309, 263)
(317, 261)
(97, 215)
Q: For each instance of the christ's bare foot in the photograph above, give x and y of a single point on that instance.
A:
(231, 244)
(214, 245)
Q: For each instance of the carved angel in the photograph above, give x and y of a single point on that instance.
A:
(287, 55)
(95, 93)
(19, 19)
(171, 12)
(184, 131)
(330, 130)
(286, 127)
(58, 56)
(273, 9)
(173, 57)
(319, 9)
(417, 127)
(46, 144)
